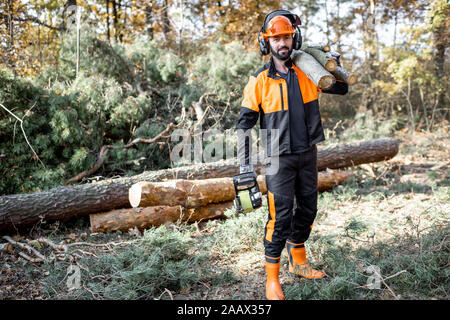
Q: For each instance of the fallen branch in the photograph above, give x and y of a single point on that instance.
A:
(57, 247)
(101, 158)
(100, 244)
(440, 166)
(104, 150)
(152, 140)
(24, 246)
(389, 288)
(27, 257)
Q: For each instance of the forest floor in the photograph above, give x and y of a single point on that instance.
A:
(381, 235)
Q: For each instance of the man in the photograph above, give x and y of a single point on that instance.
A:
(286, 101)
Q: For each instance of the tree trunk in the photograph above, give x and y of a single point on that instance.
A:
(63, 203)
(313, 70)
(166, 22)
(353, 154)
(142, 218)
(108, 31)
(149, 19)
(186, 193)
(115, 18)
(145, 217)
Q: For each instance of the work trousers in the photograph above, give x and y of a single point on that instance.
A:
(296, 178)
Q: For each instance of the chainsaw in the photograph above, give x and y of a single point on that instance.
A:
(248, 197)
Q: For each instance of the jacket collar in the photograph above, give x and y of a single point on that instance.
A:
(273, 71)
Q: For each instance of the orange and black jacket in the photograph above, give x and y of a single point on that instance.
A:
(266, 98)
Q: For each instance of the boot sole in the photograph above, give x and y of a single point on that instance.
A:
(301, 276)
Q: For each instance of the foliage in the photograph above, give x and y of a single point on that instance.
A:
(224, 69)
(143, 68)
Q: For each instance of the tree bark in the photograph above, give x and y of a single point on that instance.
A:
(149, 19)
(341, 74)
(63, 203)
(324, 58)
(142, 218)
(199, 193)
(108, 31)
(313, 70)
(356, 153)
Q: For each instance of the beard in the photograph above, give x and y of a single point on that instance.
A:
(281, 56)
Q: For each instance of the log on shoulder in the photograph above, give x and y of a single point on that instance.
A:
(341, 74)
(313, 70)
(324, 58)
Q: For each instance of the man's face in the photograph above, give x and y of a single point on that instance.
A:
(281, 46)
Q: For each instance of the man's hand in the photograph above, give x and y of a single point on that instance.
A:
(246, 168)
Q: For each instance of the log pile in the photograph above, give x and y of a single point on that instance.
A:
(180, 189)
(156, 203)
(319, 65)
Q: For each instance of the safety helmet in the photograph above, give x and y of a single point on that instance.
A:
(278, 25)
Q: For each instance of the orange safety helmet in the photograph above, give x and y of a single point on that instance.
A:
(278, 25)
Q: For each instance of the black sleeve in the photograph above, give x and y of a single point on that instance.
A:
(247, 118)
(339, 87)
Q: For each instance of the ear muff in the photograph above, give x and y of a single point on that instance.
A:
(263, 44)
(297, 42)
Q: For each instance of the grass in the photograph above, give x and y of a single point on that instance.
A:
(395, 223)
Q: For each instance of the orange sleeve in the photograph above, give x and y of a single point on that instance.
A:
(252, 94)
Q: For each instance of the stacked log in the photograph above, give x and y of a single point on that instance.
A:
(319, 65)
(156, 203)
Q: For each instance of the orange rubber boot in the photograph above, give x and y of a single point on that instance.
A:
(273, 287)
(298, 264)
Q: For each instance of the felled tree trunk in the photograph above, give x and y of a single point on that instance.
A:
(63, 203)
(145, 217)
(186, 193)
(142, 218)
(353, 154)
(313, 70)
(197, 193)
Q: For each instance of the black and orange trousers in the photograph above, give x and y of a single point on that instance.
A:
(293, 183)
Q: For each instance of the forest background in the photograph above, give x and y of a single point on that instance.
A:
(134, 67)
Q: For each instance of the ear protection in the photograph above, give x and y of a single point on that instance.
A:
(264, 46)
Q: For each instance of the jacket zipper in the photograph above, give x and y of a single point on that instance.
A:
(282, 100)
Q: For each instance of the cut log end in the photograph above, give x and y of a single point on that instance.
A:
(326, 48)
(134, 195)
(331, 65)
(352, 79)
(326, 82)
